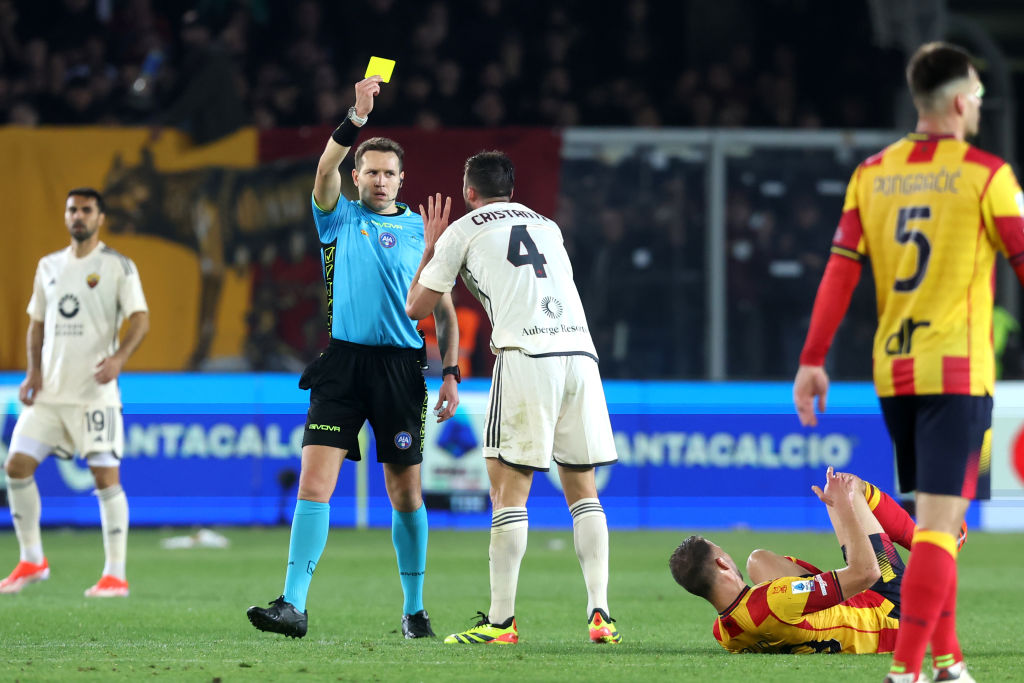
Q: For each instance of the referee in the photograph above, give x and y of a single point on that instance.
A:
(372, 369)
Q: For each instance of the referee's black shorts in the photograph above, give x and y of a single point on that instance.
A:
(943, 443)
(350, 383)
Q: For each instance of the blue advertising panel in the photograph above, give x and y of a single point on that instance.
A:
(225, 449)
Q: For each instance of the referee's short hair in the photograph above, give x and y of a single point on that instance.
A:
(380, 145)
(491, 174)
(88, 192)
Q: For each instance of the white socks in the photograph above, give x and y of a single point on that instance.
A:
(114, 522)
(23, 497)
(590, 536)
(508, 545)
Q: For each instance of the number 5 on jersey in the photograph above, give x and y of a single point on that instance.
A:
(522, 250)
(924, 247)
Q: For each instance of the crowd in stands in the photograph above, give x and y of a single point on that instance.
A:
(227, 63)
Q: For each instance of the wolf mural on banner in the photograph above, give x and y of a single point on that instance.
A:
(224, 214)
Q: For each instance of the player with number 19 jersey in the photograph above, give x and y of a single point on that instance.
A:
(931, 211)
(514, 261)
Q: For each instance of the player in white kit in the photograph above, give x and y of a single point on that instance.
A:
(81, 295)
(546, 400)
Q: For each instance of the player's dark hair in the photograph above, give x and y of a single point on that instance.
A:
(88, 192)
(691, 566)
(491, 174)
(380, 145)
(933, 66)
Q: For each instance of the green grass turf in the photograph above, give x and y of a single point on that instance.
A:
(185, 619)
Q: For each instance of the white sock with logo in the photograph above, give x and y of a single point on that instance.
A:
(508, 545)
(114, 522)
(23, 498)
(590, 536)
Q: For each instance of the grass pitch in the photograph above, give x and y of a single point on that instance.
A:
(185, 619)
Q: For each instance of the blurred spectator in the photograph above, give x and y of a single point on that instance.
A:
(748, 236)
(474, 353)
(287, 294)
(795, 265)
(208, 104)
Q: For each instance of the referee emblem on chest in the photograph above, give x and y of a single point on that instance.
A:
(92, 280)
(403, 440)
(387, 240)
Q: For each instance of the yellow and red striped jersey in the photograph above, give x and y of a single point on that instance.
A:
(931, 212)
(806, 615)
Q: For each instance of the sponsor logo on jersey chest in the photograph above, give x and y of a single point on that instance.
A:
(68, 306)
(551, 306)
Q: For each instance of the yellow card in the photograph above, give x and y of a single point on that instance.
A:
(379, 66)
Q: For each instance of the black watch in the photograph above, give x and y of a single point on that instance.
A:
(452, 370)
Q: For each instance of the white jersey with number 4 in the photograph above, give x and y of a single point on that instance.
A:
(81, 303)
(513, 260)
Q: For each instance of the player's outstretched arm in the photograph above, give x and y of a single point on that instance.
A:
(110, 367)
(842, 495)
(446, 323)
(327, 186)
(33, 381)
(830, 304)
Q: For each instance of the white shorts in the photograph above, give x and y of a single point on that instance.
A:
(92, 431)
(546, 408)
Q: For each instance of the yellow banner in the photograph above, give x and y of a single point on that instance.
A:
(163, 212)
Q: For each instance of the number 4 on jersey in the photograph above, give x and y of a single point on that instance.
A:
(522, 250)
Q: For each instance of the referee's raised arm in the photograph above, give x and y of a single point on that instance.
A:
(327, 186)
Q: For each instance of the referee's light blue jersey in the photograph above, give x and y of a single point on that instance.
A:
(368, 262)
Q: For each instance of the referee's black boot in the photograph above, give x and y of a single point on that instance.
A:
(280, 617)
(417, 625)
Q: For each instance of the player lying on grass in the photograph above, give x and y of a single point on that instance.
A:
(794, 607)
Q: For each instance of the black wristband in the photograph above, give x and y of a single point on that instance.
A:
(454, 371)
(346, 134)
